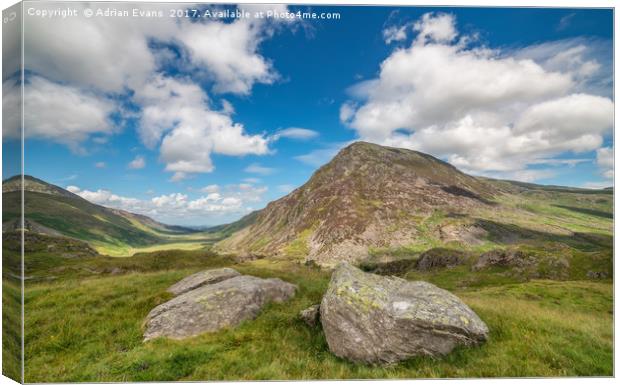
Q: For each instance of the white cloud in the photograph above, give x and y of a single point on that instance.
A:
(605, 161)
(117, 58)
(395, 33)
(229, 52)
(11, 103)
(102, 52)
(137, 163)
(295, 133)
(100, 165)
(60, 113)
(597, 185)
(179, 112)
(486, 111)
(212, 188)
(110, 53)
(439, 28)
(605, 157)
(256, 168)
(175, 207)
(588, 61)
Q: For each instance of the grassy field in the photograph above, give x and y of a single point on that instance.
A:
(553, 317)
(125, 250)
(89, 328)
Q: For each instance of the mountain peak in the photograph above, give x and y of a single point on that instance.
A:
(355, 202)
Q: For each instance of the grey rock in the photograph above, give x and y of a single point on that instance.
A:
(439, 257)
(505, 258)
(213, 307)
(202, 278)
(311, 315)
(597, 275)
(373, 319)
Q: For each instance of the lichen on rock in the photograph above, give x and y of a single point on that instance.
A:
(372, 319)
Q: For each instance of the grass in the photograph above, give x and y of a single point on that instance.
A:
(90, 329)
(124, 250)
(84, 315)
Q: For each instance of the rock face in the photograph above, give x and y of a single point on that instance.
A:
(310, 315)
(202, 278)
(372, 319)
(500, 258)
(213, 307)
(439, 258)
(368, 196)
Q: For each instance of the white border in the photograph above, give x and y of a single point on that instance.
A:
(432, 3)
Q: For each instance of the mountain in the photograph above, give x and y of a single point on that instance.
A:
(52, 210)
(371, 198)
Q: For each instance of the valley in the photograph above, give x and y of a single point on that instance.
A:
(534, 262)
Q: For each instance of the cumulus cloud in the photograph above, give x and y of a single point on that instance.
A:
(57, 112)
(588, 61)
(295, 133)
(112, 60)
(170, 208)
(439, 28)
(229, 52)
(137, 163)
(486, 111)
(177, 115)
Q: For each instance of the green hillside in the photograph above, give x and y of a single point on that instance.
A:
(55, 211)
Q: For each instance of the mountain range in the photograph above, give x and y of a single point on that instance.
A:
(52, 210)
(368, 200)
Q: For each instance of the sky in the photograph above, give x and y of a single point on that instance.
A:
(199, 121)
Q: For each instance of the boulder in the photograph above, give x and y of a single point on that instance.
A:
(310, 315)
(439, 258)
(368, 318)
(202, 278)
(213, 307)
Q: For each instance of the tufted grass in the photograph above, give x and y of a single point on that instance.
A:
(90, 329)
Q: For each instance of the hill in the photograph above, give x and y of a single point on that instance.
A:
(375, 200)
(52, 210)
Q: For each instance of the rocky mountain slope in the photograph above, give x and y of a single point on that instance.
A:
(367, 196)
(371, 197)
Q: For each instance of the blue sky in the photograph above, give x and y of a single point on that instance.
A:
(509, 93)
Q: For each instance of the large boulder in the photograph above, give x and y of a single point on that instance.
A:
(373, 319)
(213, 307)
(202, 278)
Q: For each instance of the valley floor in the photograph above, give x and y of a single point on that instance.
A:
(87, 325)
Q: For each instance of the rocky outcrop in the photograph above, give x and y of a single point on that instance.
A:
(505, 258)
(373, 319)
(215, 306)
(202, 278)
(597, 275)
(439, 258)
(310, 315)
